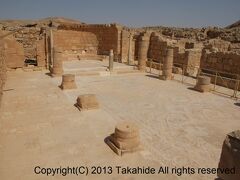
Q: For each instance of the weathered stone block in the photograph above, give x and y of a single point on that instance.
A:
(87, 102)
(126, 138)
(203, 84)
(68, 82)
(230, 156)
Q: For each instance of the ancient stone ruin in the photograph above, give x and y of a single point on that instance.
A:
(144, 74)
(203, 84)
(57, 68)
(167, 65)
(51, 42)
(125, 139)
(110, 67)
(230, 156)
(87, 102)
(68, 82)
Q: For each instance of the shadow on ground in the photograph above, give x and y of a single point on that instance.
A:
(193, 89)
(48, 74)
(237, 104)
(152, 76)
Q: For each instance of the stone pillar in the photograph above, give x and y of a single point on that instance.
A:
(130, 60)
(133, 50)
(46, 49)
(126, 138)
(167, 65)
(192, 61)
(111, 56)
(203, 84)
(122, 45)
(142, 52)
(68, 82)
(51, 46)
(57, 69)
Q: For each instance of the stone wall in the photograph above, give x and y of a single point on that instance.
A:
(228, 62)
(29, 37)
(192, 61)
(14, 52)
(83, 42)
(179, 57)
(107, 36)
(25, 43)
(235, 47)
(217, 45)
(127, 37)
(188, 57)
(193, 57)
(187, 54)
(157, 49)
(41, 53)
(189, 45)
(75, 43)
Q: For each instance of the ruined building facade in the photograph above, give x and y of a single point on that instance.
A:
(204, 49)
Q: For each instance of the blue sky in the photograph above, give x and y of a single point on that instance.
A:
(136, 13)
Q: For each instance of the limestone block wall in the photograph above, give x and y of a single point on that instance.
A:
(221, 61)
(193, 57)
(189, 45)
(218, 45)
(77, 42)
(29, 37)
(235, 47)
(193, 45)
(184, 53)
(157, 49)
(14, 52)
(178, 57)
(107, 36)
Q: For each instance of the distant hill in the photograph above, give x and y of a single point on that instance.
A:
(39, 22)
(234, 25)
(60, 20)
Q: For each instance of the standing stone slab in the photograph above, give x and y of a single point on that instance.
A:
(230, 156)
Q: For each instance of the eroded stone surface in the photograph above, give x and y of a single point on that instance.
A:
(230, 156)
(40, 126)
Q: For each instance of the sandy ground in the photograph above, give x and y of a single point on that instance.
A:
(76, 67)
(39, 125)
(92, 65)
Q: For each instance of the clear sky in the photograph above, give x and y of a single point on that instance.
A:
(181, 13)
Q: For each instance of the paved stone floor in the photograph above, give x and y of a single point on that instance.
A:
(92, 65)
(39, 125)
